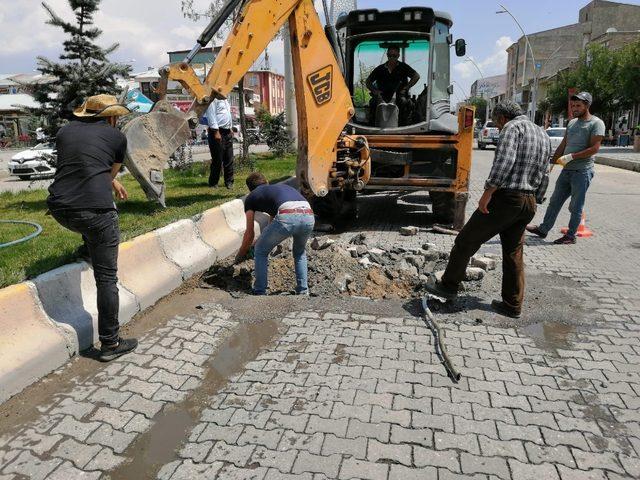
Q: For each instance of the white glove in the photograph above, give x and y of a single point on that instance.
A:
(564, 159)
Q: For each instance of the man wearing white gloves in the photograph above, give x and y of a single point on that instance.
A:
(576, 154)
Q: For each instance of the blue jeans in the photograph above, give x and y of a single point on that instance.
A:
(574, 184)
(298, 226)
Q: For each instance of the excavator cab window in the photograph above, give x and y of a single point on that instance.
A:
(411, 104)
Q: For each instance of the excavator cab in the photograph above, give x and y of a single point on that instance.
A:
(415, 141)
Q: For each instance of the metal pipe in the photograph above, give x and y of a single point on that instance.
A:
(216, 22)
(441, 350)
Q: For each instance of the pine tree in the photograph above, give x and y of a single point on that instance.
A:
(83, 69)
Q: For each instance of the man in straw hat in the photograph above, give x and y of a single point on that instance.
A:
(90, 153)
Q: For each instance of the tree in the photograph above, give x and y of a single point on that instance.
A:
(83, 69)
(481, 108)
(274, 130)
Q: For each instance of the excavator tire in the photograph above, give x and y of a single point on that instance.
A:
(449, 208)
(335, 207)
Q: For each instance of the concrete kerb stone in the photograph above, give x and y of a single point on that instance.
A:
(31, 346)
(234, 215)
(182, 244)
(215, 231)
(145, 271)
(623, 163)
(68, 296)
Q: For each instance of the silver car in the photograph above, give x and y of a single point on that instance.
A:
(556, 134)
(488, 135)
(38, 161)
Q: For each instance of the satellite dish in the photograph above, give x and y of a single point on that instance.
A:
(612, 30)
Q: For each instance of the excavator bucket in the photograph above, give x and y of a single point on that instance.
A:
(151, 140)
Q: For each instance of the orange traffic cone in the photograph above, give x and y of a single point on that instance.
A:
(583, 231)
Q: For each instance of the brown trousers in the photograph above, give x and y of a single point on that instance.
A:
(509, 214)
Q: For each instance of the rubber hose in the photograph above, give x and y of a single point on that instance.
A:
(441, 350)
(25, 238)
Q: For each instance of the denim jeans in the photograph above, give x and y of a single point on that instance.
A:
(574, 184)
(298, 226)
(101, 234)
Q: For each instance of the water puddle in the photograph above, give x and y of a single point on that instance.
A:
(160, 444)
(549, 335)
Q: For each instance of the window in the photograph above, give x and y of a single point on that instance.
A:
(439, 90)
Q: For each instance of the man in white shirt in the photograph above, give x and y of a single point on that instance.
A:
(220, 139)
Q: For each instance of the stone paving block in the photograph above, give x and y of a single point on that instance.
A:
(574, 474)
(254, 436)
(602, 460)
(441, 422)
(400, 472)
(108, 437)
(265, 457)
(68, 406)
(385, 415)
(523, 471)
(468, 442)
(38, 443)
(302, 441)
(79, 453)
(512, 432)
(109, 397)
(73, 428)
(237, 455)
(187, 470)
(229, 434)
(354, 468)
(426, 457)
(411, 436)
(195, 451)
(139, 424)
(463, 426)
(297, 423)
(499, 448)
(557, 454)
(273, 474)
(246, 417)
(379, 431)
(139, 404)
(362, 412)
(471, 464)
(67, 471)
(388, 453)
(31, 466)
(146, 389)
(318, 424)
(307, 462)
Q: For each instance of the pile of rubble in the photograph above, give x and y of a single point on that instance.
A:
(354, 268)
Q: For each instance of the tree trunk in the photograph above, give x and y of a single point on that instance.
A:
(244, 155)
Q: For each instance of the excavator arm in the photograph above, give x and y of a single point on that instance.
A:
(326, 157)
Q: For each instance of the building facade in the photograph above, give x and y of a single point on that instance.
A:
(269, 86)
(612, 24)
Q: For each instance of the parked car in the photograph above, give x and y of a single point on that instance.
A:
(37, 161)
(556, 134)
(488, 135)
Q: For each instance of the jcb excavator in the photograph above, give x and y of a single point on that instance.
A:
(346, 143)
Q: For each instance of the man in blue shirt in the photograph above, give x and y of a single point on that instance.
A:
(291, 216)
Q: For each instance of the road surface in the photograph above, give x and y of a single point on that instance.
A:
(283, 387)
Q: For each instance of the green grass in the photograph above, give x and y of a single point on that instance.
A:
(187, 194)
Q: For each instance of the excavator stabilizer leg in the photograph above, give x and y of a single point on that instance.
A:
(151, 140)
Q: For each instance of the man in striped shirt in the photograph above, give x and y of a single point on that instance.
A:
(518, 179)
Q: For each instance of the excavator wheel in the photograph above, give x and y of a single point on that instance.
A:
(449, 208)
(336, 207)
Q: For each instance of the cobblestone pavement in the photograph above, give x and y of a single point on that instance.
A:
(321, 388)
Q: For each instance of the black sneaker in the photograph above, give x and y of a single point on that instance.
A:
(504, 309)
(229, 185)
(536, 231)
(436, 288)
(565, 240)
(111, 352)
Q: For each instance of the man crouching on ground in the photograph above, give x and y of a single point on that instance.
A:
(519, 176)
(291, 216)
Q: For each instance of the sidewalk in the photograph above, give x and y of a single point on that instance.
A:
(619, 157)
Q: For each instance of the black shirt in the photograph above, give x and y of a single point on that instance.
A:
(86, 153)
(269, 198)
(389, 82)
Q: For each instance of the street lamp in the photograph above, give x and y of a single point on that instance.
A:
(533, 59)
(486, 110)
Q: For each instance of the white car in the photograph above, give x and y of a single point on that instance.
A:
(38, 161)
(488, 135)
(556, 134)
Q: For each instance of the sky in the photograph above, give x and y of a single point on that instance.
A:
(147, 29)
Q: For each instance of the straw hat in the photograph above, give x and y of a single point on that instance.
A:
(101, 106)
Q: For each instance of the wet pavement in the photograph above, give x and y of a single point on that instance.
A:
(335, 387)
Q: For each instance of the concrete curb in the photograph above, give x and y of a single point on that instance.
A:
(30, 345)
(47, 321)
(630, 165)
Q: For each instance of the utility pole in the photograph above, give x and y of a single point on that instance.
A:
(289, 89)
